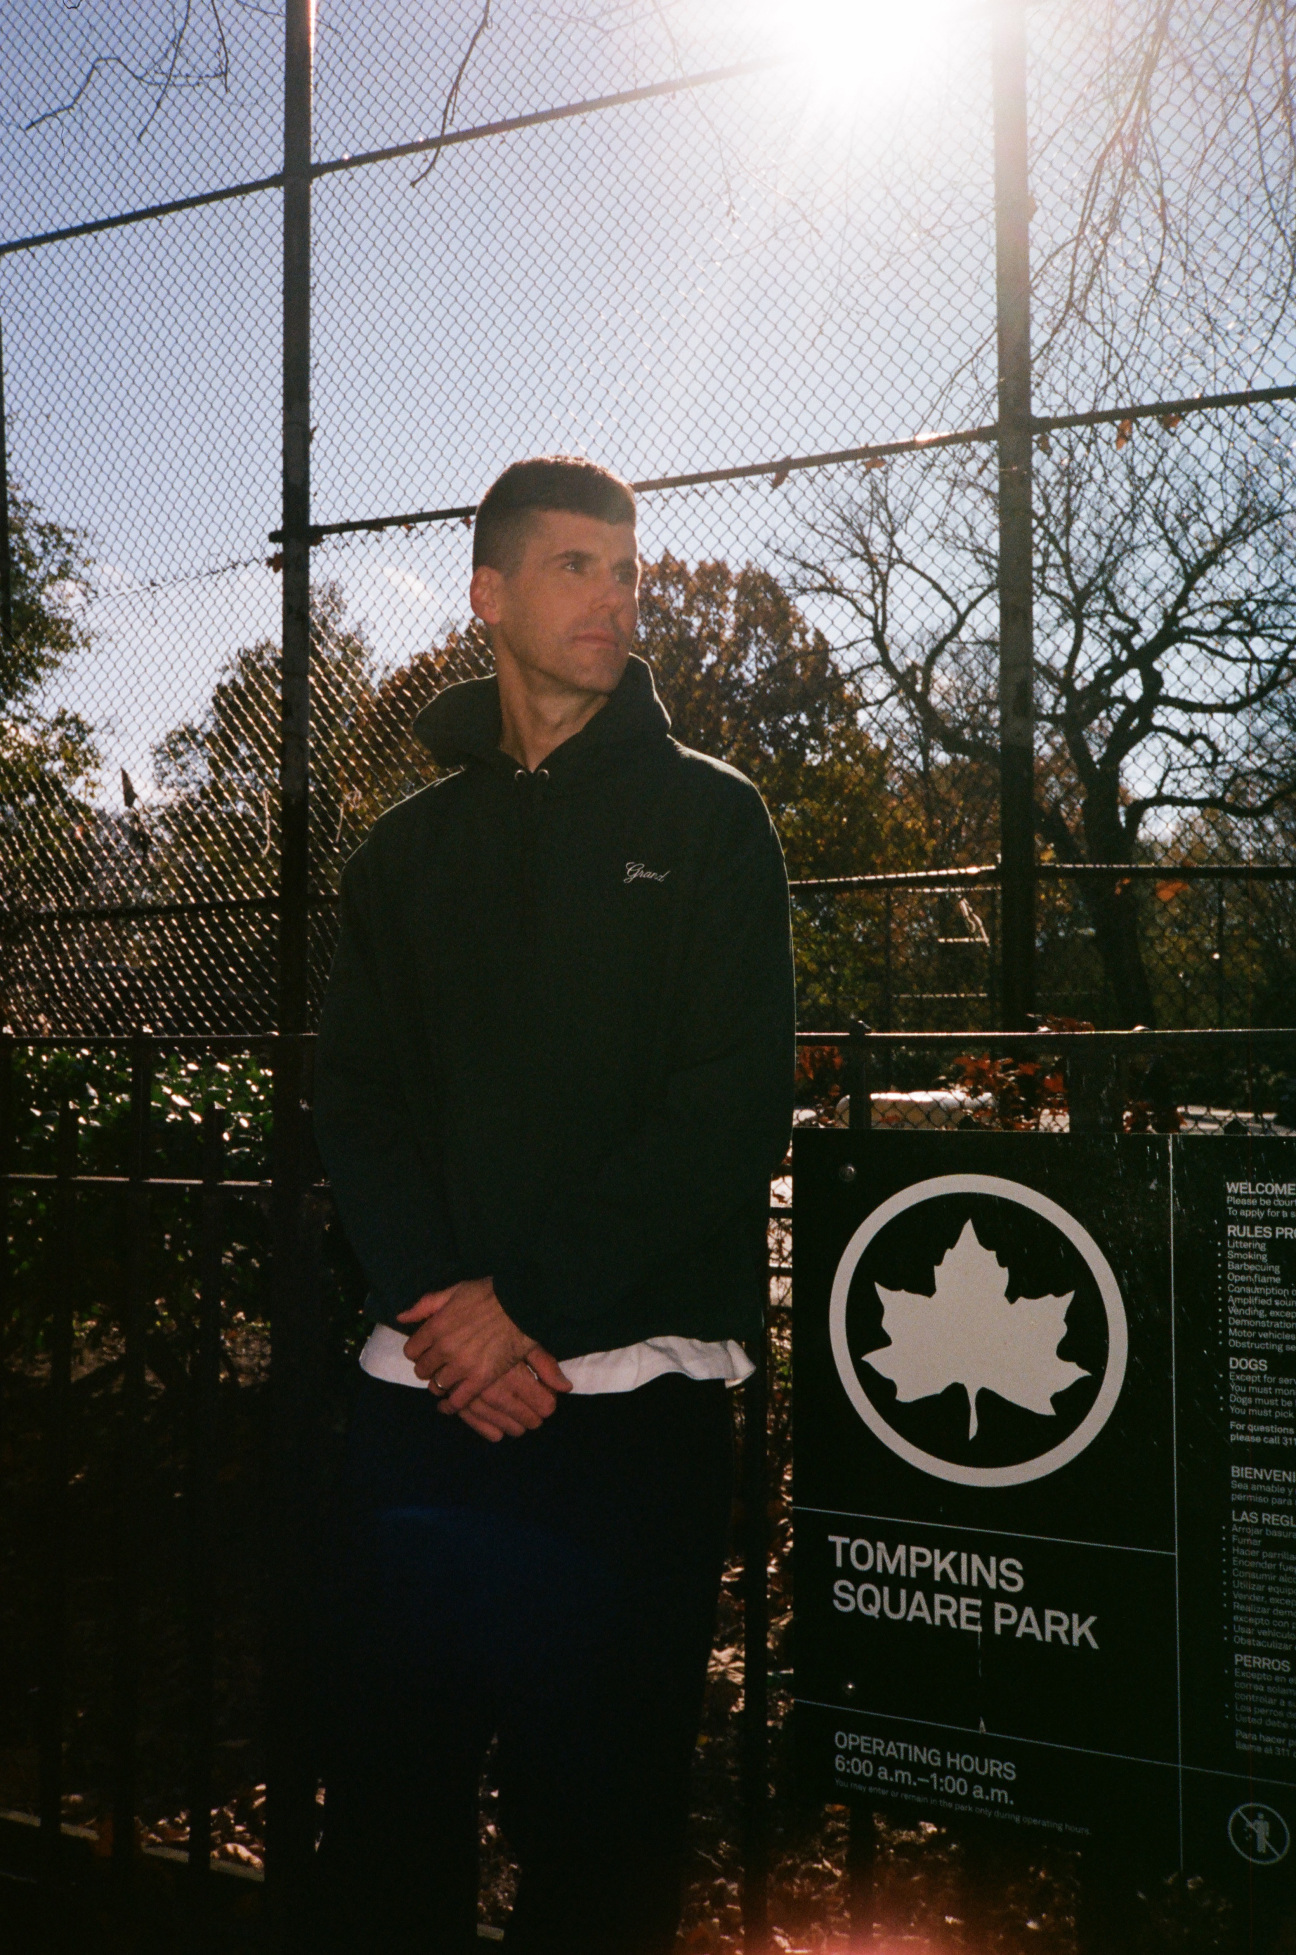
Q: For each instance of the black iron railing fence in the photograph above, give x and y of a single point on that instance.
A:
(44, 1297)
(45, 1294)
(221, 1215)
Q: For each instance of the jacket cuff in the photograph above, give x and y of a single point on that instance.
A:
(521, 1293)
(386, 1300)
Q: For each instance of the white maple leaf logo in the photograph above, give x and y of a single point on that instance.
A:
(968, 1334)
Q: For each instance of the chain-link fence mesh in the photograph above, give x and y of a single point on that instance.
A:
(788, 263)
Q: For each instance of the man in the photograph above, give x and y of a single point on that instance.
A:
(554, 1077)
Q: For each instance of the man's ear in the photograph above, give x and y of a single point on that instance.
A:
(485, 593)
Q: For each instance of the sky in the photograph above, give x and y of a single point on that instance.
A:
(792, 262)
(681, 284)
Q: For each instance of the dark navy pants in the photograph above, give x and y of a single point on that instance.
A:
(556, 1592)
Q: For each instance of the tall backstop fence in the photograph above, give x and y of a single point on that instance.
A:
(949, 355)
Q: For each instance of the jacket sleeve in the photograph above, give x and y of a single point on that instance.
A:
(719, 1127)
(389, 1195)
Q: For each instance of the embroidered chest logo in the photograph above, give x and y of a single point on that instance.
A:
(638, 872)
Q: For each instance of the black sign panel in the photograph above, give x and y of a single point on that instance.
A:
(1045, 1486)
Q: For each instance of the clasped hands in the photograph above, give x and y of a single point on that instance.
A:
(478, 1363)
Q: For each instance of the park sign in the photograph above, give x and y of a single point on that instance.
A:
(1045, 1487)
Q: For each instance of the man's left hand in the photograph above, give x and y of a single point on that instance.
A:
(464, 1342)
(519, 1402)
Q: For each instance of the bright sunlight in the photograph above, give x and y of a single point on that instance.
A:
(859, 46)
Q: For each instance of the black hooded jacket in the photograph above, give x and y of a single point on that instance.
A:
(557, 1046)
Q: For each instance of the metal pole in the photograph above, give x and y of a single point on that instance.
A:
(204, 1392)
(859, 1076)
(1016, 622)
(861, 1849)
(294, 778)
(6, 561)
(126, 1654)
(294, 1399)
(54, 1499)
(755, 1723)
(7, 1294)
(290, 1800)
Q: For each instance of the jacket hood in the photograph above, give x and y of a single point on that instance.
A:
(462, 724)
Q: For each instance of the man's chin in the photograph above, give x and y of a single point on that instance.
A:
(574, 669)
(595, 671)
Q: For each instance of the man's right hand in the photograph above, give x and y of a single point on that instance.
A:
(520, 1401)
(516, 1402)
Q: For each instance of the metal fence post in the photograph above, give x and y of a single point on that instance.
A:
(8, 1327)
(290, 1800)
(294, 763)
(290, 1774)
(204, 1388)
(1094, 1101)
(54, 1501)
(1016, 568)
(6, 560)
(129, 1475)
(858, 1080)
(755, 1724)
(861, 1848)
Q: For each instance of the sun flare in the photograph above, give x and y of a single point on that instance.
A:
(860, 47)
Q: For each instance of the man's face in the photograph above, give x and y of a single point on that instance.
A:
(567, 613)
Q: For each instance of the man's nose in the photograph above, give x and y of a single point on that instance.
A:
(612, 595)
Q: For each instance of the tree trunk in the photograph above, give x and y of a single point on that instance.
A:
(1113, 908)
(1114, 912)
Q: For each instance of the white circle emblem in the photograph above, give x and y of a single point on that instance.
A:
(1108, 1289)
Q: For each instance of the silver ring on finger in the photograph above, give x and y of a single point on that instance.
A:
(438, 1391)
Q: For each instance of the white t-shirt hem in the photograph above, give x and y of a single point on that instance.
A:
(621, 1370)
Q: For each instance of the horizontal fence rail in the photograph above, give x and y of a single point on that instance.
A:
(876, 451)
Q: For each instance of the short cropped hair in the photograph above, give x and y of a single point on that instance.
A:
(557, 482)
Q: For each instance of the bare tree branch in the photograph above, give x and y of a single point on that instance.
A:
(452, 93)
(163, 74)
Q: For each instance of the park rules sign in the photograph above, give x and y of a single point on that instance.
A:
(1045, 1487)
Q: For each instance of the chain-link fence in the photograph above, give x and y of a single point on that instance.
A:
(758, 259)
(921, 950)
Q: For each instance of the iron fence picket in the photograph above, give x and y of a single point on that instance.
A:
(755, 1591)
(291, 1810)
(128, 1520)
(7, 1288)
(58, 1317)
(204, 1389)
